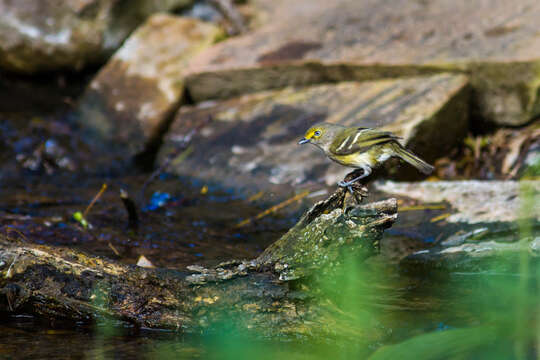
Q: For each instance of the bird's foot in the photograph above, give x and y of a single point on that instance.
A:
(354, 187)
(347, 184)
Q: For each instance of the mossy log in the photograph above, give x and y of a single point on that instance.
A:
(270, 293)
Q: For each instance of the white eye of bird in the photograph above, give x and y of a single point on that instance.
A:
(317, 133)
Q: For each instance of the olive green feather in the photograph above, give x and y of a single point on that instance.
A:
(412, 159)
(355, 140)
(360, 147)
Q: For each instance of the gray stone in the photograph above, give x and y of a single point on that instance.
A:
(480, 220)
(474, 201)
(130, 100)
(57, 35)
(251, 141)
(496, 42)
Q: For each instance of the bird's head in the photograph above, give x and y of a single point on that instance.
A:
(321, 135)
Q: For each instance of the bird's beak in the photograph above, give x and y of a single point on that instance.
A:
(303, 141)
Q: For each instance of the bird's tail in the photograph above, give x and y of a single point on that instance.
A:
(412, 159)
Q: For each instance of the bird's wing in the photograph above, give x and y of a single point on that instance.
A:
(354, 140)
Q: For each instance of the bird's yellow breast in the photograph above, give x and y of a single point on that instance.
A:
(356, 160)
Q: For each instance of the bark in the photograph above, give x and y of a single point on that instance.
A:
(271, 293)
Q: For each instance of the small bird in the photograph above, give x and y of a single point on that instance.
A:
(360, 148)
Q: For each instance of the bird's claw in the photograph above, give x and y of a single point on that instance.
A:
(347, 184)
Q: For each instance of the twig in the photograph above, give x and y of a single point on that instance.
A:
(9, 272)
(115, 251)
(98, 195)
(273, 209)
(440, 217)
(131, 208)
(256, 197)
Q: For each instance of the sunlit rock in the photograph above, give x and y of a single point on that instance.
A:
(474, 201)
(130, 100)
(476, 220)
(251, 141)
(312, 41)
(45, 35)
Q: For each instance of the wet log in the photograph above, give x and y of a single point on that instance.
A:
(272, 293)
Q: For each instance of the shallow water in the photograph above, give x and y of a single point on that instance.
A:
(404, 307)
(194, 227)
(196, 224)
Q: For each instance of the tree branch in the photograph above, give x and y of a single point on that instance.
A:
(262, 293)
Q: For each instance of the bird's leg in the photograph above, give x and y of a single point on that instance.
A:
(366, 171)
(357, 190)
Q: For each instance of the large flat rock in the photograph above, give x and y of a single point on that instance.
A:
(309, 41)
(463, 224)
(473, 201)
(129, 101)
(44, 35)
(250, 142)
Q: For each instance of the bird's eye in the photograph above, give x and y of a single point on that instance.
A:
(317, 133)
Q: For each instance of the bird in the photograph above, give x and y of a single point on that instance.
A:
(360, 148)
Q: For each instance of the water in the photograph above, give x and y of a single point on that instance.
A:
(404, 307)
(47, 175)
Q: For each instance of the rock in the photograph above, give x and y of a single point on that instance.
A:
(130, 100)
(358, 40)
(251, 141)
(482, 220)
(531, 161)
(503, 154)
(45, 35)
(144, 262)
(474, 201)
(203, 11)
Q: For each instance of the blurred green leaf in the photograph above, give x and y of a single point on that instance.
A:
(446, 344)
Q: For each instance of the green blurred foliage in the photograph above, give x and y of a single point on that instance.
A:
(491, 314)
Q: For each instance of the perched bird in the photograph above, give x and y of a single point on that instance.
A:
(361, 148)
